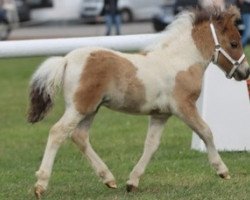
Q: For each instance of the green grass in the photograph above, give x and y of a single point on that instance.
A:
(175, 172)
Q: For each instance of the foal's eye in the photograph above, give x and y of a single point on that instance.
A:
(234, 44)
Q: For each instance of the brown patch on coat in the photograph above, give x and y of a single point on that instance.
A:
(202, 37)
(111, 80)
(188, 87)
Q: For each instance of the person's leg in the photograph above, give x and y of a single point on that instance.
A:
(108, 20)
(3, 16)
(117, 24)
(246, 33)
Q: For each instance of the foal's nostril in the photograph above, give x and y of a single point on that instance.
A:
(242, 72)
(248, 72)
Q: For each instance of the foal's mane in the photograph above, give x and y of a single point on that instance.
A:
(215, 14)
(188, 19)
(182, 22)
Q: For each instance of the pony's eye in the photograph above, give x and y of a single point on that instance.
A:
(234, 44)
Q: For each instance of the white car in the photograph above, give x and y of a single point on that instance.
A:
(131, 10)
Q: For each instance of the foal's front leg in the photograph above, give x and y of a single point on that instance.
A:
(152, 142)
(190, 115)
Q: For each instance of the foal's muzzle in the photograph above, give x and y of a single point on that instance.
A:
(242, 72)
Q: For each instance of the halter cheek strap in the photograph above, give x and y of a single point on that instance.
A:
(219, 49)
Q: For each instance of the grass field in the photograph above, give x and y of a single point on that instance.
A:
(176, 172)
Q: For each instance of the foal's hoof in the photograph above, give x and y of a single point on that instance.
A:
(131, 188)
(225, 176)
(111, 184)
(39, 190)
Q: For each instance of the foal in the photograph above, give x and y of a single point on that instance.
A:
(164, 81)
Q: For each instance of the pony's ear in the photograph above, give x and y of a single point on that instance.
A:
(232, 13)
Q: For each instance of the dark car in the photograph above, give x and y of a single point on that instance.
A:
(168, 12)
(33, 4)
(23, 10)
(24, 7)
(164, 18)
(181, 5)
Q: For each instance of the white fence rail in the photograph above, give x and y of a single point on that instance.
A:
(45, 47)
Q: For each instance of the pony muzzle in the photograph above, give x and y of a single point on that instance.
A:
(242, 72)
(247, 69)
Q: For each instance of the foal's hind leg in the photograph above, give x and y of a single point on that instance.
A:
(58, 133)
(81, 138)
(191, 116)
(151, 145)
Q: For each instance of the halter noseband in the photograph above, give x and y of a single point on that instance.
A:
(218, 49)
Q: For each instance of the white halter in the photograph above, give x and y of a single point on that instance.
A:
(218, 49)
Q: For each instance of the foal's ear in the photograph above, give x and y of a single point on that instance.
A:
(228, 17)
(232, 13)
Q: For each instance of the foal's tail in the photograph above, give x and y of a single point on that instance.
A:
(44, 83)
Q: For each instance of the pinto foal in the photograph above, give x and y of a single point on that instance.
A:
(164, 81)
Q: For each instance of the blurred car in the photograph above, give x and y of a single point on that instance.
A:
(131, 10)
(163, 18)
(168, 11)
(23, 10)
(91, 10)
(39, 3)
(4, 27)
(24, 7)
(181, 5)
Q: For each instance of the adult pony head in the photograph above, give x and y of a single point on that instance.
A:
(165, 80)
